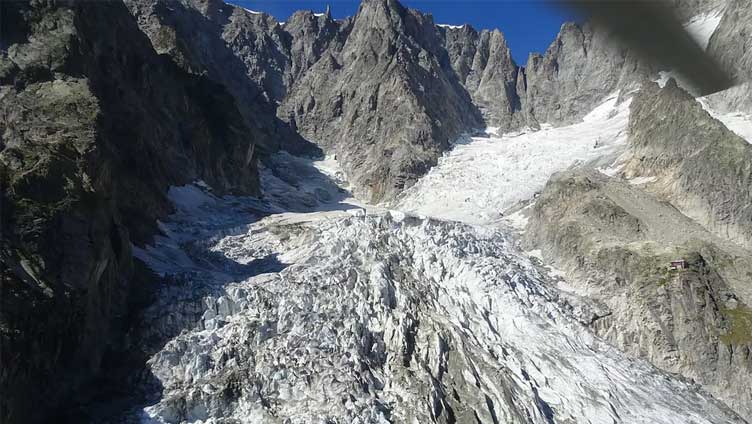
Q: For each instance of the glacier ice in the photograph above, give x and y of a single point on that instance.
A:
(296, 311)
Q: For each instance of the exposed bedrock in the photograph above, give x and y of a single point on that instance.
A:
(94, 127)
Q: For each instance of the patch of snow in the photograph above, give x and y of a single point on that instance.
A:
(190, 197)
(604, 111)
(517, 220)
(535, 253)
(663, 77)
(641, 180)
(478, 180)
(492, 131)
(253, 12)
(611, 171)
(702, 27)
(738, 122)
(451, 26)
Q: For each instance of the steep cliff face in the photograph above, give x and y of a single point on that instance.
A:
(484, 65)
(615, 242)
(688, 9)
(311, 35)
(732, 47)
(95, 127)
(580, 68)
(700, 165)
(730, 43)
(246, 52)
(330, 87)
(384, 103)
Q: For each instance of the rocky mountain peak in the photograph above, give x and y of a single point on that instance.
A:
(376, 94)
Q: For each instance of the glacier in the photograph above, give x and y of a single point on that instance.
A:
(308, 306)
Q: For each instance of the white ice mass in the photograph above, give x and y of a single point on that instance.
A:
(482, 177)
(309, 307)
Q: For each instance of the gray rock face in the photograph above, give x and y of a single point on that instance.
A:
(687, 9)
(386, 83)
(311, 36)
(94, 127)
(702, 167)
(578, 71)
(580, 68)
(383, 103)
(484, 65)
(615, 242)
(730, 43)
(247, 53)
(332, 90)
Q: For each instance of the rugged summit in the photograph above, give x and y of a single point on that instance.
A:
(95, 127)
(484, 65)
(583, 66)
(384, 103)
(339, 83)
(245, 52)
(578, 71)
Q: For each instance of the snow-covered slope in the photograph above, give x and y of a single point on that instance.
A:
(738, 122)
(482, 177)
(702, 27)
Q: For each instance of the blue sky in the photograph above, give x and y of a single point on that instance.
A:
(529, 25)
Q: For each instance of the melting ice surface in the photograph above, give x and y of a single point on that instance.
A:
(308, 307)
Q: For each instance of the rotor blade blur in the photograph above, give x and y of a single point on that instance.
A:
(652, 30)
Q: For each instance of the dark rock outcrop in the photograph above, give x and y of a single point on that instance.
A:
(94, 127)
(248, 53)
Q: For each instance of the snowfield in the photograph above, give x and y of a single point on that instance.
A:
(478, 180)
(738, 122)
